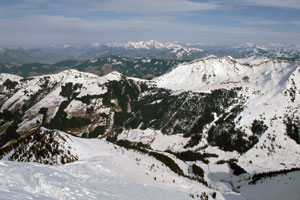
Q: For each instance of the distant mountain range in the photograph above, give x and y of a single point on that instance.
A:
(150, 49)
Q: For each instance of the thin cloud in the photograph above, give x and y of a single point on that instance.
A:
(295, 22)
(132, 6)
(295, 4)
(152, 6)
(136, 6)
(60, 29)
(85, 21)
(256, 21)
(261, 21)
(291, 4)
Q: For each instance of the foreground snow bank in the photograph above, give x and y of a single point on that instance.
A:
(103, 171)
(83, 180)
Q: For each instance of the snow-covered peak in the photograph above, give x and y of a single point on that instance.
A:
(196, 74)
(151, 44)
(250, 45)
(66, 46)
(96, 45)
(113, 76)
(178, 49)
(182, 52)
(213, 73)
(266, 47)
(253, 60)
(276, 45)
(70, 72)
(61, 46)
(12, 77)
(72, 75)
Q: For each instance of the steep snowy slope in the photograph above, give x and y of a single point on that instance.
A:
(271, 90)
(271, 93)
(37, 100)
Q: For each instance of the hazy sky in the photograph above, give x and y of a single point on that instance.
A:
(42, 22)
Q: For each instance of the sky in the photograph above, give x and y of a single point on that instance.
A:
(213, 22)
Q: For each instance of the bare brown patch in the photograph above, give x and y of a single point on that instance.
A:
(93, 70)
(106, 69)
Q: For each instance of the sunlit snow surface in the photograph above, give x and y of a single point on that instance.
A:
(111, 174)
(103, 171)
(104, 177)
(82, 180)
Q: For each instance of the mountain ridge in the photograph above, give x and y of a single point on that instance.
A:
(227, 123)
(152, 49)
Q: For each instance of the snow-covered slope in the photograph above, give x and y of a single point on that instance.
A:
(48, 92)
(93, 179)
(208, 120)
(271, 92)
(112, 172)
(11, 77)
(214, 73)
(107, 171)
